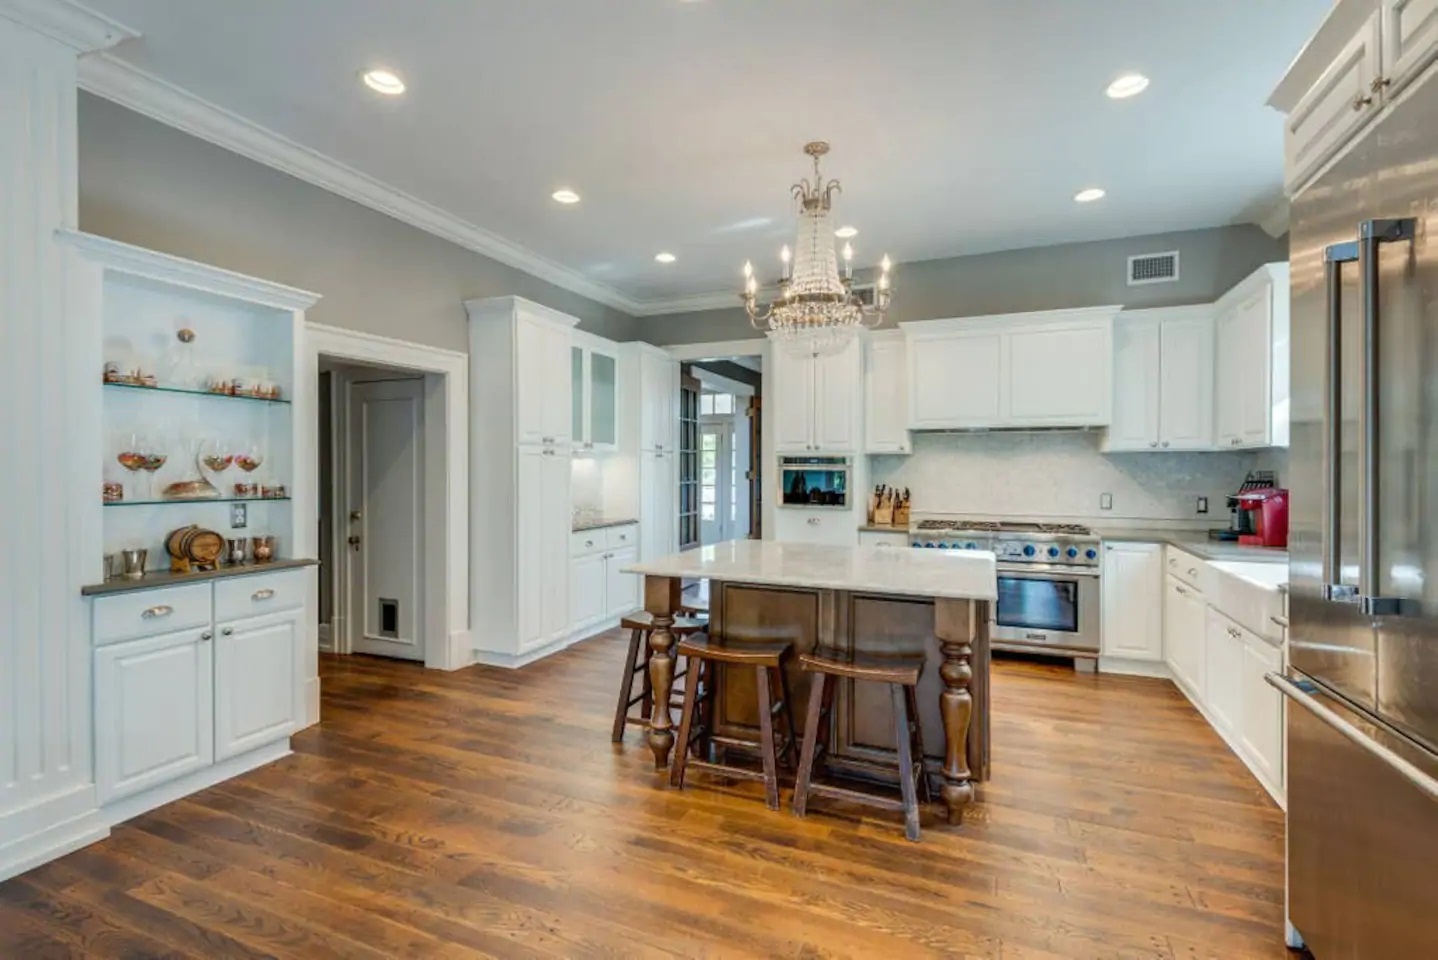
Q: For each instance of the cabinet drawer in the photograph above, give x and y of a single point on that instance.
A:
(148, 612)
(585, 542)
(617, 538)
(1185, 567)
(259, 594)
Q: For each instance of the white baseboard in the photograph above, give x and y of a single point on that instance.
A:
(1134, 668)
(312, 702)
(54, 841)
(132, 806)
(513, 661)
(460, 654)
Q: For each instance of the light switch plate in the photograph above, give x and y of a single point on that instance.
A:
(1105, 501)
(239, 516)
(1202, 505)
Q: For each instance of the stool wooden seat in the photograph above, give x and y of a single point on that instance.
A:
(640, 625)
(901, 671)
(703, 655)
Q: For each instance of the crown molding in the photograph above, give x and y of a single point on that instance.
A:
(76, 26)
(1275, 222)
(723, 300)
(109, 77)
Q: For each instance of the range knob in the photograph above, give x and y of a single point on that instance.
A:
(1053, 551)
(971, 545)
(1029, 550)
(1072, 552)
(930, 544)
(1091, 553)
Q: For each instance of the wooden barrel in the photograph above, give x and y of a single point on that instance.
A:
(191, 547)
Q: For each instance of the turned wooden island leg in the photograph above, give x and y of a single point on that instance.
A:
(661, 599)
(958, 624)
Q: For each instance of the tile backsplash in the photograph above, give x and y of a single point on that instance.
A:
(1060, 474)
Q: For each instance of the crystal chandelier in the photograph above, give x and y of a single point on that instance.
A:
(817, 311)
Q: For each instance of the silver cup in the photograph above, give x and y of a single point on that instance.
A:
(235, 551)
(134, 563)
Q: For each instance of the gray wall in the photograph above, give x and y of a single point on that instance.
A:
(148, 184)
(1040, 278)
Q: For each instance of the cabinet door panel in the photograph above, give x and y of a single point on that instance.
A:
(886, 398)
(586, 589)
(838, 386)
(555, 529)
(154, 711)
(1262, 730)
(1186, 389)
(658, 510)
(1255, 326)
(792, 386)
(578, 420)
(1231, 367)
(1135, 421)
(659, 379)
(530, 526)
(530, 381)
(1223, 666)
(1326, 118)
(256, 687)
(621, 589)
(1132, 601)
(1410, 39)
(955, 381)
(603, 400)
(1060, 376)
(555, 373)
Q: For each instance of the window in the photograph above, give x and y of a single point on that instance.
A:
(708, 474)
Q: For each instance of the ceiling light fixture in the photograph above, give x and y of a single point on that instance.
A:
(1089, 195)
(844, 233)
(665, 257)
(1128, 85)
(386, 82)
(565, 196)
(817, 312)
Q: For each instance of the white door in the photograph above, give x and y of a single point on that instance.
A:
(256, 689)
(1410, 39)
(1186, 391)
(1321, 122)
(718, 481)
(1255, 324)
(556, 530)
(1136, 352)
(586, 589)
(886, 398)
(658, 512)
(154, 711)
(954, 381)
(1223, 664)
(659, 381)
(621, 589)
(1183, 625)
(838, 399)
(1060, 376)
(791, 383)
(531, 380)
(386, 508)
(1262, 731)
(530, 527)
(1229, 371)
(1132, 601)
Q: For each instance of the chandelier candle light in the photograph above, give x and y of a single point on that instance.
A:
(817, 311)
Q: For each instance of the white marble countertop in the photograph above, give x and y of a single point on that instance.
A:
(969, 575)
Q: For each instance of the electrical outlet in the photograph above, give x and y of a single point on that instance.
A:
(1105, 501)
(1202, 505)
(239, 516)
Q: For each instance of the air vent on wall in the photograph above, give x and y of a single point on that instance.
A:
(1153, 268)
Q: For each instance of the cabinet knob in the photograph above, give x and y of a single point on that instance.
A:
(1164, 444)
(207, 635)
(1153, 443)
(1360, 101)
(813, 521)
(227, 631)
(1380, 84)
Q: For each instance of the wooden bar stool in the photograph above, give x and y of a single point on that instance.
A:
(767, 661)
(901, 672)
(640, 626)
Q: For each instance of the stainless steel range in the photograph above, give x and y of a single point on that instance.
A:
(1048, 581)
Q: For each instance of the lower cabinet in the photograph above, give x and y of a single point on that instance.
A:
(154, 711)
(1261, 733)
(1132, 601)
(587, 600)
(256, 697)
(599, 591)
(1222, 667)
(621, 590)
(1183, 630)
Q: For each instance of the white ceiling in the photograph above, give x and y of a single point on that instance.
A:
(958, 126)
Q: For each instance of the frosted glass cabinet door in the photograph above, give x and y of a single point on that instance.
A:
(603, 400)
(576, 387)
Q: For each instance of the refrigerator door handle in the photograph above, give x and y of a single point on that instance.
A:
(1301, 696)
(1333, 259)
(1371, 235)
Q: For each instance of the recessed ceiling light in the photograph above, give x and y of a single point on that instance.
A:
(1089, 195)
(565, 196)
(846, 232)
(1128, 85)
(386, 82)
(665, 257)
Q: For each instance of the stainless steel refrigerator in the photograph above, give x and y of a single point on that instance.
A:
(1362, 680)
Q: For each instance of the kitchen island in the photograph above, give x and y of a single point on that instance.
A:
(868, 599)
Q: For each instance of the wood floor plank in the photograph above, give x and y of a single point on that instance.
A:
(485, 813)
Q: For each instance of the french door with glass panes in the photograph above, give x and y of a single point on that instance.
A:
(718, 481)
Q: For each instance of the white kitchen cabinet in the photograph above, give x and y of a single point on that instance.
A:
(1163, 380)
(1410, 40)
(543, 524)
(256, 681)
(154, 711)
(543, 409)
(1261, 727)
(816, 525)
(1184, 627)
(817, 400)
(1339, 103)
(886, 394)
(600, 592)
(1133, 601)
(658, 400)
(587, 602)
(888, 539)
(658, 504)
(594, 395)
(1252, 381)
(1049, 369)
(621, 590)
(1223, 667)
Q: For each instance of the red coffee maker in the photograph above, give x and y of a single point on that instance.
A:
(1269, 510)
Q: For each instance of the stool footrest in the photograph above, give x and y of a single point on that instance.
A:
(725, 770)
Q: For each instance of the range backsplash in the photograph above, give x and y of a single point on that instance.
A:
(1064, 475)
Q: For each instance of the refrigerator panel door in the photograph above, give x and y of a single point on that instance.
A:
(1330, 641)
(1407, 646)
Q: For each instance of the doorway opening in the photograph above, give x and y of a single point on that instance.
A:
(727, 481)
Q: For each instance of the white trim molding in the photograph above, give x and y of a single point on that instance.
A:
(77, 27)
(114, 79)
(446, 631)
(718, 349)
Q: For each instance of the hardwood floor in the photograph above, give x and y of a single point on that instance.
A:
(486, 813)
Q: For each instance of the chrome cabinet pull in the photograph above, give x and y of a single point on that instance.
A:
(1234, 633)
(158, 611)
(263, 594)
(1192, 572)
(1371, 235)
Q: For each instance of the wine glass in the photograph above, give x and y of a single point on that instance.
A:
(250, 457)
(132, 452)
(215, 455)
(154, 460)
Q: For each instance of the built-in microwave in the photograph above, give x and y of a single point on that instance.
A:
(814, 481)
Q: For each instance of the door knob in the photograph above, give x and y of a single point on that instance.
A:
(354, 542)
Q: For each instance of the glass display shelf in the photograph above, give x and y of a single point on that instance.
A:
(186, 391)
(192, 501)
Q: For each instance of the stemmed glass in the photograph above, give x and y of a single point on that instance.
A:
(214, 455)
(139, 451)
(250, 458)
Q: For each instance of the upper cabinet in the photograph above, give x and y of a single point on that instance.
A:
(818, 400)
(886, 394)
(1163, 380)
(543, 389)
(1050, 369)
(1252, 383)
(594, 394)
(658, 399)
(1362, 56)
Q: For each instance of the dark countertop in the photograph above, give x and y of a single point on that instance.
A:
(580, 527)
(163, 578)
(870, 528)
(1195, 542)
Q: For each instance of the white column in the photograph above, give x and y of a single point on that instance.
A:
(49, 432)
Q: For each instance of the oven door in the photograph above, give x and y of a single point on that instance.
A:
(1047, 610)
